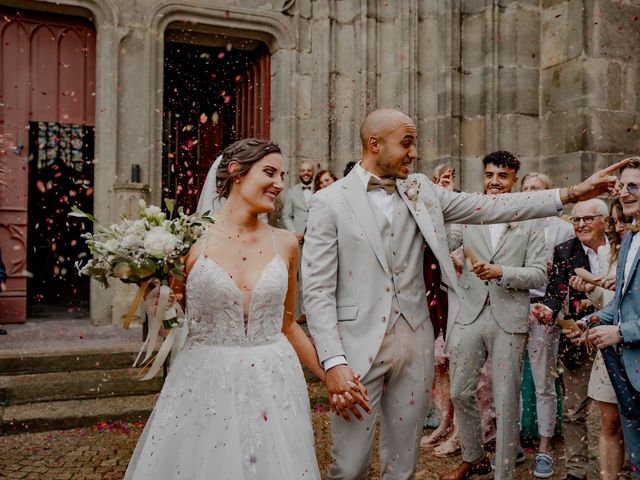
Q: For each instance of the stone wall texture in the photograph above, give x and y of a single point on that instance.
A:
(557, 82)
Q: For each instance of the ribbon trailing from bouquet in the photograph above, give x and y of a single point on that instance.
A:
(134, 305)
(174, 341)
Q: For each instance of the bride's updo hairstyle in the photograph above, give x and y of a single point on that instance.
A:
(245, 153)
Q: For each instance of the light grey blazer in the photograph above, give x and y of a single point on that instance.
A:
(345, 283)
(520, 252)
(295, 210)
(559, 232)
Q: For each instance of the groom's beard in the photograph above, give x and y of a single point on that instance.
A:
(306, 183)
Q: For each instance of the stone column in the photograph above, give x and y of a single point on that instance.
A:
(106, 141)
(438, 84)
(590, 92)
(133, 99)
(500, 56)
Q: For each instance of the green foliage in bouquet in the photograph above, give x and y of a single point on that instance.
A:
(135, 251)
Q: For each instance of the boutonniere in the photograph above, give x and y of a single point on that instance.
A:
(413, 191)
(632, 227)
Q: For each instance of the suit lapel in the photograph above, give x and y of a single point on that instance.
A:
(356, 196)
(485, 239)
(553, 232)
(634, 265)
(503, 238)
(421, 215)
(299, 195)
(580, 258)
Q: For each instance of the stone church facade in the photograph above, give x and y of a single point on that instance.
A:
(557, 82)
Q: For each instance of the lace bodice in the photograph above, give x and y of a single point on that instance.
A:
(215, 309)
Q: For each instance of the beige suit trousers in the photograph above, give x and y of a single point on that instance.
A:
(471, 345)
(399, 387)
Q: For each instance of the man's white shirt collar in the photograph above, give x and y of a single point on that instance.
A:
(364, 175)
(594, 260)
(589, 249)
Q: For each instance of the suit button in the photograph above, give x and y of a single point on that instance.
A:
(486, 282)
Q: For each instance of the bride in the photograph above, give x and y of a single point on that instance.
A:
(235, 403)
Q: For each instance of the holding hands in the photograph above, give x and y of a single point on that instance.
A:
(346, 392)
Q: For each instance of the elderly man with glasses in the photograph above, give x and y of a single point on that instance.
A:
(589, 223)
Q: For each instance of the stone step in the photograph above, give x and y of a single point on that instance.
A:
(74, 385)
(38, 417)
(20, 363)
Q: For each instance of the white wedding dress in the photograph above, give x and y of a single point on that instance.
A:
(234, 405)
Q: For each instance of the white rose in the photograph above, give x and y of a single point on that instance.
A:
(131, 241)
(153, 214)
(111, 245)
(159, 243)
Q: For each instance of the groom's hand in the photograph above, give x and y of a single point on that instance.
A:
(600, 182)
(342, 396)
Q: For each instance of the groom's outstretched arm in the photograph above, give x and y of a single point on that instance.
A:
(319, 279)
(510, 207)
(473, 208)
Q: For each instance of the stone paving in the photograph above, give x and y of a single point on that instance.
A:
(96, 453)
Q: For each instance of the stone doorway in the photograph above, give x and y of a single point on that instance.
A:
(47, 80)
(216, 91)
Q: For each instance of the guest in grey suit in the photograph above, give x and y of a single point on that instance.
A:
(493, 320)
(369, 238)
(294, 217)
(296, 204)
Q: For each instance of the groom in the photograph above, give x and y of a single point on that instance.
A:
(369, 237)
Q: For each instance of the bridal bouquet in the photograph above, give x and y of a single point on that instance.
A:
(146, 252)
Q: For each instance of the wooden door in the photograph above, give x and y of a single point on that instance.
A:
(47, 74)
(213, 97)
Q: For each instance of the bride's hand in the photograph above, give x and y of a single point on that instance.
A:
(357, 386)
(343, 398)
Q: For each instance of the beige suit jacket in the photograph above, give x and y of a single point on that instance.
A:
(295, 210)
(520, 252)
(344, 274)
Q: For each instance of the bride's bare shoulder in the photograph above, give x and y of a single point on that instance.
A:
(287, 242)
(194, 252)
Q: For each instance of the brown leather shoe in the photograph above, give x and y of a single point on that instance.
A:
(467, 470)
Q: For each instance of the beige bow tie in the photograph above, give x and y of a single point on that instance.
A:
(389, 184)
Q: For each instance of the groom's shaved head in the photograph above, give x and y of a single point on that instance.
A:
(380, 123)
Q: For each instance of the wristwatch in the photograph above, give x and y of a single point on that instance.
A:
(620, 334)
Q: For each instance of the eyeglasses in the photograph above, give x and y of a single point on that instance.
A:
(632, 188)
(587, 219)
